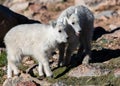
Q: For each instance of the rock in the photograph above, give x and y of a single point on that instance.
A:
(17, 7)
(50, 1)
(98, 4)
(82, 71)
(28, 13)
(26, 58)
(111, 40)
(4, 68)
(7, 82)
(25, 80)
(27, 83)
(35, 7)
(29, 62)
(113, 26)
(16, 1)
(107, 14)
(80, 2)
(59, 84)
(118, 12)
(117, 72)
(116, 34)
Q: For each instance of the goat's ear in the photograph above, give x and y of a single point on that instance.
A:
(65, 20)
(53, 23)
(76, 11)
(67, 15)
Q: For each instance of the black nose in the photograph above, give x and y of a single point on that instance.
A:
(67, 38)
(79, 31)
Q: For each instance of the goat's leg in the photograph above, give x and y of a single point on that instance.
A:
(61, 54)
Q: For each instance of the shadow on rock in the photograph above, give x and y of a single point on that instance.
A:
(9, 19)
(99, 31)
(97, 55)
(75, 61)
(104, 55)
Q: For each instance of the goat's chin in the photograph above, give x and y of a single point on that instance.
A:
(63, 41)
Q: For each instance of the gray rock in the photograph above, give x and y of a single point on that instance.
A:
(59, 84)
(27, 83)
(87, 70)
(108, 13)
(117, 72)
(98, 4)
(25, 80)
(50, 1)
(19, 6)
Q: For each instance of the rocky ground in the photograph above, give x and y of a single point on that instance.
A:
(104, 69)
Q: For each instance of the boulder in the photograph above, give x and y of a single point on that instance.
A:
(87, 70)
(98, 4)
(25, 80)
(17, 7)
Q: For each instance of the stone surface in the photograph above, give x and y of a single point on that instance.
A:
(98, 4)
(59, 84)
(110, 40)
(83, 70)
(107, 13)
(25, 80)
(117, 72)
(27, 83)
(19, 6)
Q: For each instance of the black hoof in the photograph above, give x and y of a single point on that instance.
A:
(41, 77)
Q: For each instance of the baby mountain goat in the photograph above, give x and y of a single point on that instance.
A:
(37, 40)
(80, 30)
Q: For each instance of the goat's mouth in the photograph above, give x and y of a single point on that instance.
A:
(77, 33)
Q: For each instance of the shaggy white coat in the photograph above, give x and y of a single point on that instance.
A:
(80, 30)
(37, 40)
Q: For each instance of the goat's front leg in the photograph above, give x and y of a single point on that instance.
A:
(40, 69)
(46, 66)
(71, 47)
(61, 48)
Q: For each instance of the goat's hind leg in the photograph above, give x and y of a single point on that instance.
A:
(87, 46)
(12, 68)
(12, 65)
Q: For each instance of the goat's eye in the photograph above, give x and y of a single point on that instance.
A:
(73, 23)
(59, 31)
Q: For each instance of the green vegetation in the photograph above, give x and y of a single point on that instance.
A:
(3, 62)
(2, 73)
(106, 80)
(60, 74)
(3, 59)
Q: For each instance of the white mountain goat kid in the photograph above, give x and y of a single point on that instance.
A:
(80, 30)
(37, 40)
